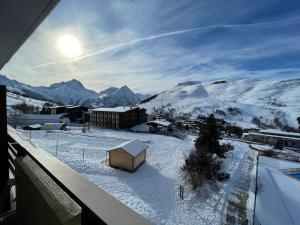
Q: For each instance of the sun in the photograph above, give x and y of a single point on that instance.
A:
(69, 46)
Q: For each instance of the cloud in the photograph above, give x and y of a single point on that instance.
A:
(152, 45)
(162, 35)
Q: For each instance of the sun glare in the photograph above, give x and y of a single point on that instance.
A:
(69, 46)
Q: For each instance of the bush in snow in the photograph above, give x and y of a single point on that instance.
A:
(236, 130)
(15, 119)
(25, 108)
(234, 111)
(269, 153)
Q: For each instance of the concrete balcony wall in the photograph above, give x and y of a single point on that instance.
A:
(40, 201)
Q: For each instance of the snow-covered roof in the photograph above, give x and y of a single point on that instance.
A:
(35, 126)
(57, 107)
(160, 122)
(73, 106)
(275, 136)
(116, 109)
(133, 147)
(278, 201)
(28, 119)
(279, 132)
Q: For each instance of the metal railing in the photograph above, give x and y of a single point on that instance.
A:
(98, 207)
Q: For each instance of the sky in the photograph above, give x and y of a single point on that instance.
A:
(151, 45)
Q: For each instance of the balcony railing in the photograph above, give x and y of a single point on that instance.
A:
(97, 206)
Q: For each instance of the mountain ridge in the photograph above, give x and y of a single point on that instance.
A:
(73, 92)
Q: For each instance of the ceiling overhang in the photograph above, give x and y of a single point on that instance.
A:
(18, 20)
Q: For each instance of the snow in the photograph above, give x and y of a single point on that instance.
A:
(278, 198)
(160, 122)
(152, 191)
(133, 147)
(255, 98)
(35, 126)
(116, 109)
(140, 128)
(13, 99)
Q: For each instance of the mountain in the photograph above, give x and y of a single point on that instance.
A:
(70, 92)
(113, 97)
(273, 103)
(73, 92)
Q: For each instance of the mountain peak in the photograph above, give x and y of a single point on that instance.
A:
(125, 88)
(71, 83)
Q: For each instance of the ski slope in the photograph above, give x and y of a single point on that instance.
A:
(266, 99)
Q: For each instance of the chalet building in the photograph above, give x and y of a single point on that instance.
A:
(128, 156)
(76, 113)
(57, 110)
(30, 119)
(272, 139)
(118, 117)
(159, 126)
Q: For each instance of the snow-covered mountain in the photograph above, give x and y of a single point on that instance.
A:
(113, 97)
(275, 103)
(70, 92)
(73, 92)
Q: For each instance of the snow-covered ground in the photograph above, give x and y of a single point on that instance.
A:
(278, 196)
(153, 190)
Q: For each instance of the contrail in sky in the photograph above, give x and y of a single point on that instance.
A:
(158, 36)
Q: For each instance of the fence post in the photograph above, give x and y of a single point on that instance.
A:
(4, 168)
(56, 147)
(83, 155)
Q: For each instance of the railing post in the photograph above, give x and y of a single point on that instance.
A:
(4, 166)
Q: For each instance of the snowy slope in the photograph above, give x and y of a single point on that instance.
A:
(261, 98)
(13, 99)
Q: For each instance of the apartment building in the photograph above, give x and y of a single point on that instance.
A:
(118, 117)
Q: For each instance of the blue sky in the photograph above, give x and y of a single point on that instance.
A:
(151, 45)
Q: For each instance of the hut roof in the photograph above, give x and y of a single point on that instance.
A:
(42, 118)
(133, 147)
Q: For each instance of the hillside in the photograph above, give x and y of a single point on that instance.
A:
(237, 101)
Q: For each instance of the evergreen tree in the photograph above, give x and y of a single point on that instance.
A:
(202, 165)
(208, 139)
(201, 168)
